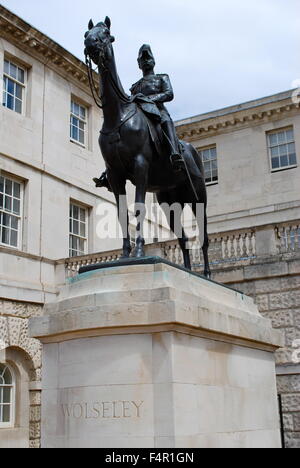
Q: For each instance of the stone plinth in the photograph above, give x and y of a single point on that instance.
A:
(149, 355)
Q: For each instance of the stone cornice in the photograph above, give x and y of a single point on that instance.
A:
(30, 40)
(238, 118)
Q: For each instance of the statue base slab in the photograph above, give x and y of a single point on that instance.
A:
(150, 355)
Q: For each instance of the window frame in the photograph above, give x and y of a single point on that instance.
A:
(20, 216)
(84, 121)
(12, 404)
(200, 151)
(269, 147)
(78, 236)
(17, 64)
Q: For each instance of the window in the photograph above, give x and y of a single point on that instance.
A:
(282, 149)
(209, 158)
(78, 123)
(13, 86)
(10, 211)
(78, 230)
(7, 396)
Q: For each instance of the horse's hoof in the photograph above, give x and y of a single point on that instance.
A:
(138, 252)
(124, 257)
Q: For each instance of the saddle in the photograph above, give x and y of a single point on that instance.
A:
(153, 118)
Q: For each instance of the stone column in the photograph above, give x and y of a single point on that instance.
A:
(154, 356)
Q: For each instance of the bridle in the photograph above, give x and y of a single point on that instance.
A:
(104, 69)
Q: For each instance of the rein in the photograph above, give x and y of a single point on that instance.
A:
(92, 84)
(98, 100)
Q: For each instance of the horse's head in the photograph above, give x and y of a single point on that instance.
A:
(97, 41)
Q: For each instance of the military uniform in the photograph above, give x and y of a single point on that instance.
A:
(159, 89)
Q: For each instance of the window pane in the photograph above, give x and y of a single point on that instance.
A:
(1, 201)
(7, 376)
(213, 153)
(74, 243)
(5, 83)
(19, 91)
(16, 206)
(74, 133)
(273, 139)
(13, 70)
(81, 245)
(275, 151)
(14, 238)
(10, 102)
(82, 229)
(76, 109)
(5, 219)
(18, 106)
(6, 413)
(291, 148)
(8, 187)
(5, 236)
(6, 394)
(82, 112)
(7, 204)
(75, 227)
(14, 222)
(74, 121)
(283, 150)
(11, 87)
(81, 137)
(82, 215)
(2, 184)
(290, 135)
(293, 159)
(275, 163)
(17, 190)
(283, 161)
(281, 137)
(21, 75)
(205, 155)
(75, 212)
(6, 67)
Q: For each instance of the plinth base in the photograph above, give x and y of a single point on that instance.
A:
(152, 356)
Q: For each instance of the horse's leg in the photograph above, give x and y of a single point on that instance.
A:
(164, 200)
(141, 177)
(119, 188)
(205, 246)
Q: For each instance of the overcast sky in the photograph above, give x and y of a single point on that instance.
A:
(217, 52)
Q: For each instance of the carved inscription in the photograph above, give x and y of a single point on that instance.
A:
(103, 410)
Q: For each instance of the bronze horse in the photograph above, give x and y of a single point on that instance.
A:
(130, 154)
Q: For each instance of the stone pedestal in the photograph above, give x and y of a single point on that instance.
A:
(149, 355)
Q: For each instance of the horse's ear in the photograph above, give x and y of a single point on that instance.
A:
(91, 24)
(107, 22)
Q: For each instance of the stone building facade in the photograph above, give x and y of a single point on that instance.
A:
(48, 155)
(253, 179)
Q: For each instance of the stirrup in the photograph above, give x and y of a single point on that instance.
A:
(177, 162)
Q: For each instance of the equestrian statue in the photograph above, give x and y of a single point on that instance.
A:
(138, 142)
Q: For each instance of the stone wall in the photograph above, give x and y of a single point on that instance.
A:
(14, 336)
(274, 283)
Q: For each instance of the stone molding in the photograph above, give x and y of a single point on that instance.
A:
(35, 43)
(194, 130)
(176, 301)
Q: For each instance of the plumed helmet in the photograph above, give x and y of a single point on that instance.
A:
(145, 49)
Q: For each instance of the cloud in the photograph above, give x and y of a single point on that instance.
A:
(217, 53)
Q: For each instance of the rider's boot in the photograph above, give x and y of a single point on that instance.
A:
(176, 158)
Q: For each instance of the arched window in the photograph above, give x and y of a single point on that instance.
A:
(7, 396)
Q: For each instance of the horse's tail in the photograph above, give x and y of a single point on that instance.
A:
(195, 155)
(198, 160)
